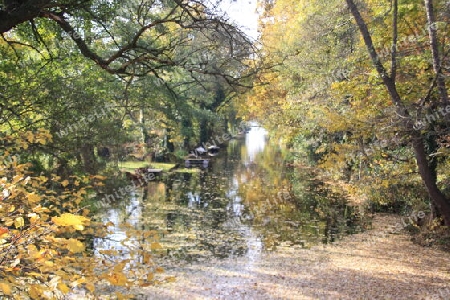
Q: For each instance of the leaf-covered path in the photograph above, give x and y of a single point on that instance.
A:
(358, 267)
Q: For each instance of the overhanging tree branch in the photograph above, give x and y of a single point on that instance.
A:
(28, 10)
(387, 80)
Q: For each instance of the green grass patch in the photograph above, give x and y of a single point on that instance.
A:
(133, 165)
(164, 166)
(188, 170)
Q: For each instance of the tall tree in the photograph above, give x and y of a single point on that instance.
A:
(419, 140)
(361, 120)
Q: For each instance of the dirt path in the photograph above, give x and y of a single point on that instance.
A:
(358, 267)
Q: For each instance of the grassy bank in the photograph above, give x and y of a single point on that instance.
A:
(130, 166)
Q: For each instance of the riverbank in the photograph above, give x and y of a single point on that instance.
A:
(131, 166)
(368, 265)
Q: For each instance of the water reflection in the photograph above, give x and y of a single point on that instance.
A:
(245, 203)
(255, 141)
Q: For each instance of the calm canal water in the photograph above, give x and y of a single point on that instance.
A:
(247, 201)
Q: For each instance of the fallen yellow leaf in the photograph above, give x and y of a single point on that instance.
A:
(63, 288)
(155, 246)
(6, 288)
(33, 197)
(19, 222)
(118, 279)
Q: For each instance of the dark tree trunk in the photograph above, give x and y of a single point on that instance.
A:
(63, 169)
(169, 144)
(89, 160)
(205, 131)
(428, 176)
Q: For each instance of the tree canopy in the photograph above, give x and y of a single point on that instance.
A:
(360, 89)
(82, 82)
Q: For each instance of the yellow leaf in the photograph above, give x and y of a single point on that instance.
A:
(48, 263)
(35, 291)
(68, 219)
(146, 258)
(109, 252)
(33, 197)
(150, 276)
(6, 289)
(41, 141)
(65, 183)
(91, 287)
(75, 246)
(17, 178)
(118, 279)
(155, 246)
(63, 288)
(19, 222)
(33, 217)
(30, 136)
(78, 282)
(159, 270)
(119, 267)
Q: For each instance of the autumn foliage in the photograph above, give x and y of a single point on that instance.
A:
(323, 98)
(46, 233)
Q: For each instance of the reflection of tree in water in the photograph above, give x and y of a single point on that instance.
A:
(289, 205)
(221, 211)
(192, 208)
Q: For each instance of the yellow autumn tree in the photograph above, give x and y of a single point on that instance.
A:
(46, 233)
(323, 98)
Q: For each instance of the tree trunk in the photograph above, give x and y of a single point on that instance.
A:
(203, 130)
(169, 144)
(429, 178)
(432, 32)
(89, 160)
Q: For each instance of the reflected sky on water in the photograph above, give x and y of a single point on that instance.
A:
(246, 202)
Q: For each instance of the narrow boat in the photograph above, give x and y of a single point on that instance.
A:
(196, 162)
